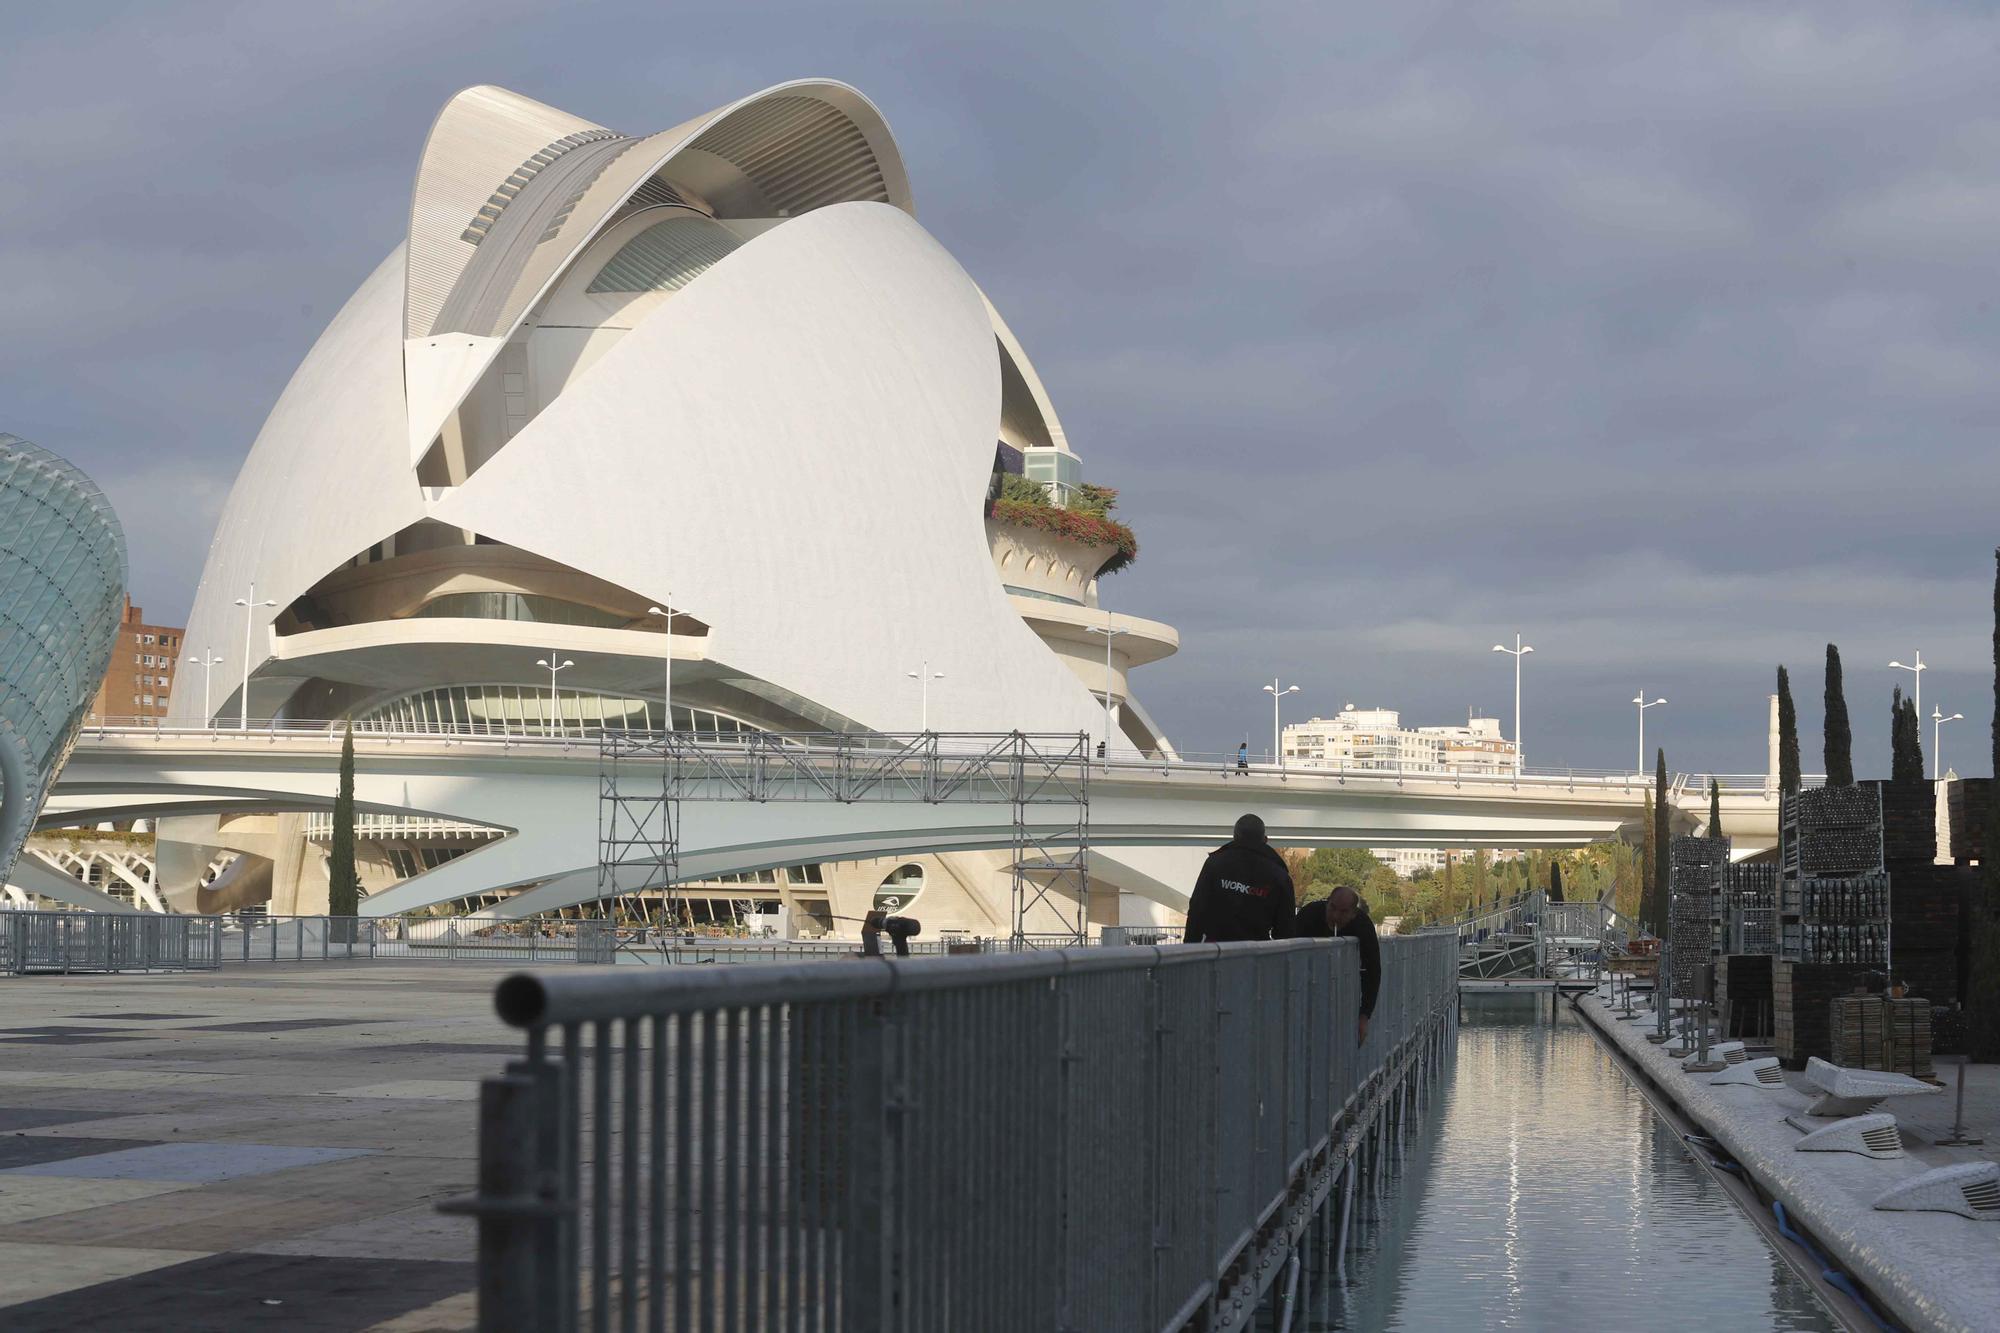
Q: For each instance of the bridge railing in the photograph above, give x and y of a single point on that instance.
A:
(724, 757)
(1102, 1139)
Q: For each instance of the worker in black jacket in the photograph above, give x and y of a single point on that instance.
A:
(1342, 913)
(1243, 892)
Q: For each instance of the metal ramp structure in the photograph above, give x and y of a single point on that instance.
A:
(644, 778)
(1529, 938)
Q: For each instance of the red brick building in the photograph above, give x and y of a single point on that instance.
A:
(140, 683)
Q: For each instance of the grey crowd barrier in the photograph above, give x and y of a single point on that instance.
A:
(1092, 1139)
(107, 942)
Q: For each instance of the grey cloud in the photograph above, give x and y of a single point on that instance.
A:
(1664, 333)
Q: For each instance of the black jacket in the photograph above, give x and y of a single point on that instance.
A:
(1312, 924)
(1243, 892)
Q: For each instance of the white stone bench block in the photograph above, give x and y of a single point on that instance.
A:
(1870, 1135)
(1850, 1092)
(1763, 1072)
(1971, 1189)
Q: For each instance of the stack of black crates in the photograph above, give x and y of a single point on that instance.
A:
(1750, 940)
(1697, 868)
(1833, 911)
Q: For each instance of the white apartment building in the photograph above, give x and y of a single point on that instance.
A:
(1374, 740)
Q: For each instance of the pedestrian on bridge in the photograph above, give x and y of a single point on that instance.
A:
(1243, 892)
(1343, 913)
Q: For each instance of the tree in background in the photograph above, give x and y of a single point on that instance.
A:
(1555, 882)
(1906, 746)
(1788, 735)
(1644, 904)
(1652, 907)
(1447, 892)
(1714, 808)
(1839, 736)
(1478, 881)
(1982, 996)
(343, 893)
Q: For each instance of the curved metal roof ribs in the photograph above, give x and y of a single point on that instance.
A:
(796, 147)
(480, 137)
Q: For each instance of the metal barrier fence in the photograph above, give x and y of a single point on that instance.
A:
(301, 939)
(107, 942)
(1087, 1139)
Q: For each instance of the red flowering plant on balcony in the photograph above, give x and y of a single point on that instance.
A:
(1025, 503)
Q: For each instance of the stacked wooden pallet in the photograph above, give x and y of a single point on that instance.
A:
(1802, 996)
(1875, 1032)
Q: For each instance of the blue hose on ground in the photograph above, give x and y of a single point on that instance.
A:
(1833, 1277)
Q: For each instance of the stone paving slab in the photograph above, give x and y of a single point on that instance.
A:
(24, 1198)
(30, 1272)
(297, 1293)
(201, 1163)
(1932, 1270)
(412, 1089)
(104, 1079)
(15, 1118)
(346, 1091)
(27, 1150)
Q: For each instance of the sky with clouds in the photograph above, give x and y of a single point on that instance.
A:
(1664, 334)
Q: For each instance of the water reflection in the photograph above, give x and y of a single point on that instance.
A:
(1541, 1192)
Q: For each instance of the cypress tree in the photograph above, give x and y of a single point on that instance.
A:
(1906, 752)
(343, 894)
(1714, 808)
(1982, 996)
(1654, 917)
(1643, 913)
(1788, 735)
(1555, 882)
(1839, 735)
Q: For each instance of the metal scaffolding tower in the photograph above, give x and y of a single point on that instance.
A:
(645, 776)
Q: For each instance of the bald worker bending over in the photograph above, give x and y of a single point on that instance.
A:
(1342, 913)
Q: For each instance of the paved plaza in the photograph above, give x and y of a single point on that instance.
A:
(261, 1147)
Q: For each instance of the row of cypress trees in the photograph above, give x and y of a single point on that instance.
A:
(1906, 744)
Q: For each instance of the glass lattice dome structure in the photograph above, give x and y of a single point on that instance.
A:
(62, 586)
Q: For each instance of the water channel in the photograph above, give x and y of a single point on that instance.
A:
(1541, 1191)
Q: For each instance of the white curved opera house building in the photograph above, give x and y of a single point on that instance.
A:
(719, 370)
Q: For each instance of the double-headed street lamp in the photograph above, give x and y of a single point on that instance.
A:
(1517, 652)
(1277, 745)
(926, 675)
(550, 664)
(1110, 633)
(249, 604)
(208, 661)
(668, 701)
(1918, 672)
(1640, 699)
(1938, 718)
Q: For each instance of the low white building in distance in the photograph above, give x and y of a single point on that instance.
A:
(1374, 740)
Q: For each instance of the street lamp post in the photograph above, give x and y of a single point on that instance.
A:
(1917, 671)
(667, 706)
(208, 661)
(1640, 699)
(926, 676)
(1938, 718)
(1517, 652)
(1109, 634)
(249, 604)
(552, 666)
(1277, 745)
